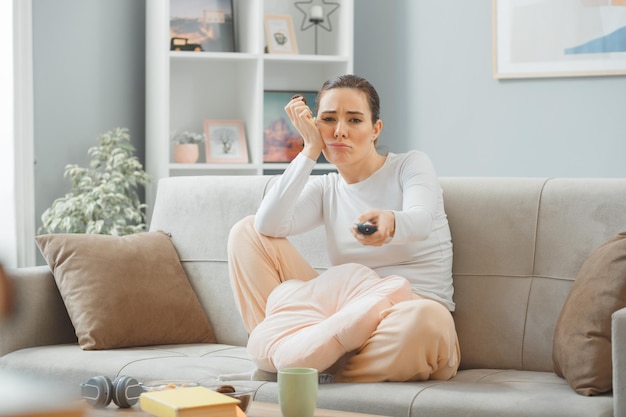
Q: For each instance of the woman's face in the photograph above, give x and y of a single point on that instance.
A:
(345, 123)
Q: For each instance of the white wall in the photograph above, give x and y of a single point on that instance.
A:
(8, 240)
(446, 102)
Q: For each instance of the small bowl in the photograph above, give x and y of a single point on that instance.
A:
(164, 384)
(242, 393)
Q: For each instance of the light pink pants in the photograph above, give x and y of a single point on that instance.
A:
(415, 340)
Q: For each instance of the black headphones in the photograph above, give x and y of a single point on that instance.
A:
(99, 391)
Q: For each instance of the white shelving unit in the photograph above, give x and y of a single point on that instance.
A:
(185, 88)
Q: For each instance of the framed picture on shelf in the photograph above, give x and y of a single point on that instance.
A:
(225, 141)
(544, 38)
(202, 25)
(280, 36)
(281, 141)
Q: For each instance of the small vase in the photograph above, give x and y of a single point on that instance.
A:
(186, 153)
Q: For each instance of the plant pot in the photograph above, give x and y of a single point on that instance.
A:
(186, 153)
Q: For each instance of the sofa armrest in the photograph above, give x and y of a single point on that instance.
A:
(38, 316)
(618, 341)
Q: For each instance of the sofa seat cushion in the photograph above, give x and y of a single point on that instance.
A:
(123, 291)
(471, 393)
(511, 393)
(314, 323)
(582, 338)
(198, 362)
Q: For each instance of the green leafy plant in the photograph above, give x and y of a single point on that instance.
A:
(104, 198)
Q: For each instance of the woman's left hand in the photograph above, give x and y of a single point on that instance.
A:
(385, 220)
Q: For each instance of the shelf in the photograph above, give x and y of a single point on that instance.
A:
(306, 58)
(212, 167)
(202, 166)
(284, 165)
(235, 56)
(183, 88)
(212, 56)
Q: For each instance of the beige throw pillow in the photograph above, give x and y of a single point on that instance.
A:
(123, 291)
(582, 341)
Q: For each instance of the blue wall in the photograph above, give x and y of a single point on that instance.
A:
(431, 61)
(88, 78)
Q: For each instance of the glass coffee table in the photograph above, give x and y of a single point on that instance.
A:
(256, 409)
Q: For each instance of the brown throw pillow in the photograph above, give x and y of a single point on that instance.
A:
(123, 291)
(581, 351)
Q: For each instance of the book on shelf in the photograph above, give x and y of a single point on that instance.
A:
(188, 402)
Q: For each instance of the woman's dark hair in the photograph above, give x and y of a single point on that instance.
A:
(358, 83)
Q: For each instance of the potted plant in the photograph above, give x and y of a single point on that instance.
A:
(104, 198)
(186, 149)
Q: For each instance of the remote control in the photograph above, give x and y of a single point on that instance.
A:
(366, 228)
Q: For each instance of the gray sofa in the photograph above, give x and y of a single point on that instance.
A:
(518, 245)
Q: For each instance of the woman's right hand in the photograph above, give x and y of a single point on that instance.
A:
(302, 119)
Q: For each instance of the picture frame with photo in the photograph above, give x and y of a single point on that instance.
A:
(544, 38)
(281, 141)
(225, 141)
(202, 25)
(279, 33)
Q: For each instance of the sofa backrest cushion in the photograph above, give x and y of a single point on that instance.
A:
(518, 245)
(198, 212)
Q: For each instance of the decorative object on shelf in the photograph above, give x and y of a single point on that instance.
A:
(182, 44)
(186, 147)
(186, 153)
(225, 141)
(281, 141)
(104, 198)
(279, 33)
(314, 15)
(582, 38)
(202, 25)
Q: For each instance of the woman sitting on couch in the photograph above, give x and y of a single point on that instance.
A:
(398, 194)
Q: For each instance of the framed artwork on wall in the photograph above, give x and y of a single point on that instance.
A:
(547, 38)
(279, 34)
(225, 141)
(202, 25)
(281, 141)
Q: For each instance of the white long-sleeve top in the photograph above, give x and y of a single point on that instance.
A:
(421, 249)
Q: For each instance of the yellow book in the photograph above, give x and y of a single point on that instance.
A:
(188, 402)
